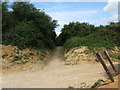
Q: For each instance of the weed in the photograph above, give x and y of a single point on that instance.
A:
(84, 85)
(98, 83)
(70, 87)
(23, 62)
(30, 49)
(17, 51)
(114, 55)
(5, 55)
(26, 58)
(16, 58)
(31, 53)
(26, 55)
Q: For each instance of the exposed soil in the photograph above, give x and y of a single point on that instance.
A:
(109, 84)
(57, 75)
(14, 59)
(82, 54)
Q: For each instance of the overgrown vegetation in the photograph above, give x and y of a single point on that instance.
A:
(83, 34)
(26, 26)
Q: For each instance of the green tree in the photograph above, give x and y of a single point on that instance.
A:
(74, 29)
(29, 27)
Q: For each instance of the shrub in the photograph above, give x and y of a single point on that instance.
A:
(16, 58)
(96, 39)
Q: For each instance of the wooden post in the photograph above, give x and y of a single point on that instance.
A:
(108, 57)
(104, 66)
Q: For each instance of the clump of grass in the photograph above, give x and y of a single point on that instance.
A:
(26, 56)
(17, 51)
(41, 52)
(114, 55)
(30, 49)
(5, 55)
(31, 53)
(16, 58)
(71, 87)
(98, 83)
(84, 85)
(23, 62)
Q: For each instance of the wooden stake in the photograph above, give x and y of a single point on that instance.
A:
(108, 58)
(104, 66)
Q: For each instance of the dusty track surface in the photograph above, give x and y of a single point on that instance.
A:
(56, 75)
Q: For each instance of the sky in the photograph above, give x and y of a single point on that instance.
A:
(96, 12)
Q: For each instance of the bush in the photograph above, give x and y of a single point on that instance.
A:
(25, 34)
(27, 26)
(96, 39)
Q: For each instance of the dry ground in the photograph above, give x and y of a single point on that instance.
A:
(56, 75)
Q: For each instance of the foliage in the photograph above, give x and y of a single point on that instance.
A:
(16, 58)
(74, 29)
(96, 39)
(77, 34)
(26, 26)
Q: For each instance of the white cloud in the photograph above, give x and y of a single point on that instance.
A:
(57, 0)
(58, 33)
(112, 6)
(64, 17)
(113, 18)
(68, 0)
(67, 13)
(112, 9)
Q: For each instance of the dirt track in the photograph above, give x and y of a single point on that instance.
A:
(56, 75)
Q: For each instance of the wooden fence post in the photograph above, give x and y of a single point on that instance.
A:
(108, 57)
(104, 66)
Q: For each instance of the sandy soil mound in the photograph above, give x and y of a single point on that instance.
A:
(14, 59)
(82, 54)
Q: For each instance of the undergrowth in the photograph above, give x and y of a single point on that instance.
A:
(94, 40)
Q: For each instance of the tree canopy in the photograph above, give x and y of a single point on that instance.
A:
(27, 26)
(77, 34)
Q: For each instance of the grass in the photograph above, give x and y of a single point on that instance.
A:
(71, 87)
(97, 84)
(116, 56)
(84, 85)
(5, 55)
(31, 53)
(16, 58)
(23, 62)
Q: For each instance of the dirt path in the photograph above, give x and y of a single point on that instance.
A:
(56, 75)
